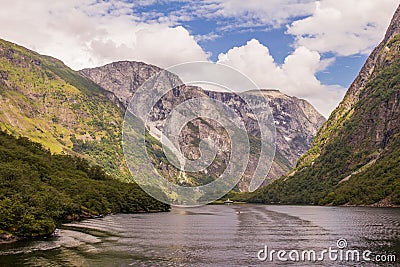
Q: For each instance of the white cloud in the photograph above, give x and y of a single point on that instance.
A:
(296, 76)
(344, 27)
(85, 33)
(231, 14)
(258, 12)
(207, 37)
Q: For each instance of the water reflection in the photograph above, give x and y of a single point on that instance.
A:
(210, 236)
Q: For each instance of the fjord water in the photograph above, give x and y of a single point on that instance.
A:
(214, 235)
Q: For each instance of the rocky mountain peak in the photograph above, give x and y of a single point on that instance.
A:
(387, 52)
(124, 77)
(296, 120)
(394, 26)
(376, 60)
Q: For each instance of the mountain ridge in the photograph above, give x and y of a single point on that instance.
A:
(44, 100)
(355, 157)
(121, 79)
(375, 61)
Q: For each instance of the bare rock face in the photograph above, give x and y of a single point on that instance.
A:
(296, 121)
(121, 79)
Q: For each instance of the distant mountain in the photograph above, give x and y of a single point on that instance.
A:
(355, 157)
(296, 120)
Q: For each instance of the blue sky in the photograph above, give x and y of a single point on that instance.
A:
(280, 44)
(305, 48)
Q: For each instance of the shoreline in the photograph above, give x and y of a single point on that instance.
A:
(9, 238)
(375, 205)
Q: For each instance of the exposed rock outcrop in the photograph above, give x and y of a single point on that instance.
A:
(296, 120)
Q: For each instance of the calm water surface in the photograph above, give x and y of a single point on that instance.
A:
(215, 235)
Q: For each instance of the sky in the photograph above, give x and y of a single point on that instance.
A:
(305, 48)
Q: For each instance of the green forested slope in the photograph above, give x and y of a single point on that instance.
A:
(39, 190)
(49, 103)
(72, 168)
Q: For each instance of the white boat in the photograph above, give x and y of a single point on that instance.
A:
(228, 201)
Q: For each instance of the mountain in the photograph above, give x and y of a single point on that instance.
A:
(355, 157)
(296, 120)
(44, 100)
(73, 168)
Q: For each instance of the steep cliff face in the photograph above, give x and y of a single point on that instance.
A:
(354, 158)
(381, 57)
(296, 120)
